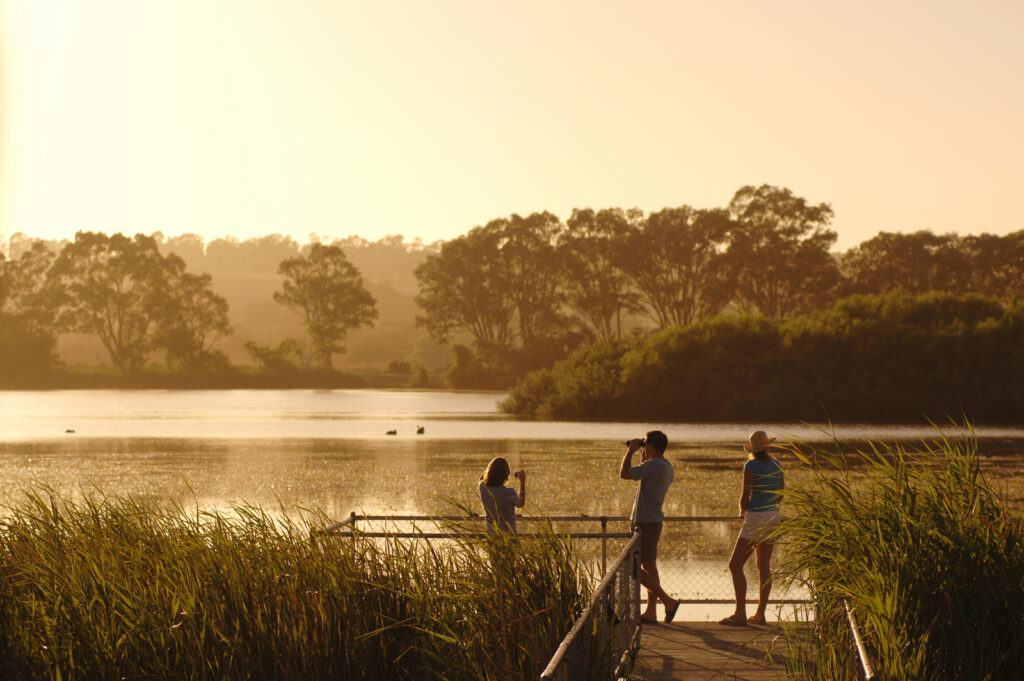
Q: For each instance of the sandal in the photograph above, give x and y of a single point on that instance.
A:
(670, 613)
(733, 622)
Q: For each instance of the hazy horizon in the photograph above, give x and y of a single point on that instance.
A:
(424, 120)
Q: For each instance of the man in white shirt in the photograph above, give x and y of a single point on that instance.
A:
(655, 475)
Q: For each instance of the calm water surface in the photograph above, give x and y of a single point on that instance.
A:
(330, 449)
(353, 414)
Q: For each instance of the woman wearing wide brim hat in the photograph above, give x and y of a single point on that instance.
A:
(763, 483)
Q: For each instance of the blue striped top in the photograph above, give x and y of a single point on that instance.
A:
(764, 495)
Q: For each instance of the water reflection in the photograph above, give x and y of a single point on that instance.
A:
(327, 449)
(359, 415)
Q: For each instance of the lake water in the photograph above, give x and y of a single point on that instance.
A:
(330, 449)
(288, 450)
(355, 414)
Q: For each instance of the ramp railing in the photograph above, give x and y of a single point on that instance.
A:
(605, 640)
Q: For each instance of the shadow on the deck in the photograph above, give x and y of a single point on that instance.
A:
(705, 651)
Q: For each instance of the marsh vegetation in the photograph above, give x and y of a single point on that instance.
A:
(111, 587)
(925, 549)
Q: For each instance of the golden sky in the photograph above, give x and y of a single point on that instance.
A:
(428, 117)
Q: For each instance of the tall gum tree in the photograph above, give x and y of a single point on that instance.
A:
(912, 263)
(27, 314)
(503, 284)
(679, 263)
(996, 265)
(462, 288)
(327, 291)
(192, 320)
(779, 252)
(111, 286)
(593, 253)
(533, 269)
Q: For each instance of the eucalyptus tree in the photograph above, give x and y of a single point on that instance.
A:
(532, 266)
(464, 288)
(135, 300)
(996, 264)
(193, 319)
(913, 263)
(680, 265)
(23, 286)
(503, 284)
(593, 251)
(779, 252)
(113, 287)
(5, 279)
(327, 291)
(27, 316)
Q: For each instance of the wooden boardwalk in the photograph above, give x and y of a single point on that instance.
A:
(706, 651)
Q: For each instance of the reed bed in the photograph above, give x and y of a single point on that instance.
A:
(116, 588)
(926, 553)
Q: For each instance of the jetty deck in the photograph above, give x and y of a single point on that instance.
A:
(708, 651)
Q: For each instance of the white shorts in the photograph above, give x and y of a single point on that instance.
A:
(757, 525)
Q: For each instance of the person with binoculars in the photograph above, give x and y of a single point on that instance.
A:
(655, 475)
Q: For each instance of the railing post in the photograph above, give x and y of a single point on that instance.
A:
(604, 544)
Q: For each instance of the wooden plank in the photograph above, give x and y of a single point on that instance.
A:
(708, 651)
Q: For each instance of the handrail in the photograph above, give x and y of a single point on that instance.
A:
(862, 651)
(477, 535)
(604, 535)
(337, 528)
(563, 518)
(632, 546)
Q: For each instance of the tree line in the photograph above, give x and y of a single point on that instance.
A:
(511, 296)
(526, 291)
(140, 303)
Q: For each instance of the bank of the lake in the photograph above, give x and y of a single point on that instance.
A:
(228, 378)
(879, 359)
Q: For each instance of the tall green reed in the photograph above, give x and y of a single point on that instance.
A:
(926, 552)
(113, 587)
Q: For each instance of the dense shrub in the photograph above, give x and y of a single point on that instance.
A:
(880, 358)
(586, 384)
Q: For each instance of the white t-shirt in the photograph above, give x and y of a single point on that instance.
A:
(500, 507)
(655, 475)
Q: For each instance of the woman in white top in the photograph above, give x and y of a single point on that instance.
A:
(500, 502)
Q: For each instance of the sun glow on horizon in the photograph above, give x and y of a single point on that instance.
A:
(248, 118)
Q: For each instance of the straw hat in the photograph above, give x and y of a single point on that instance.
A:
(759, 440)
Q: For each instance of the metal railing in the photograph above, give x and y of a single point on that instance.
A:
(701, 584)
(349, 527)
(606, 637)
(859, 645)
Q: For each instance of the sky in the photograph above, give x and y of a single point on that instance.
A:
(426, 118)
